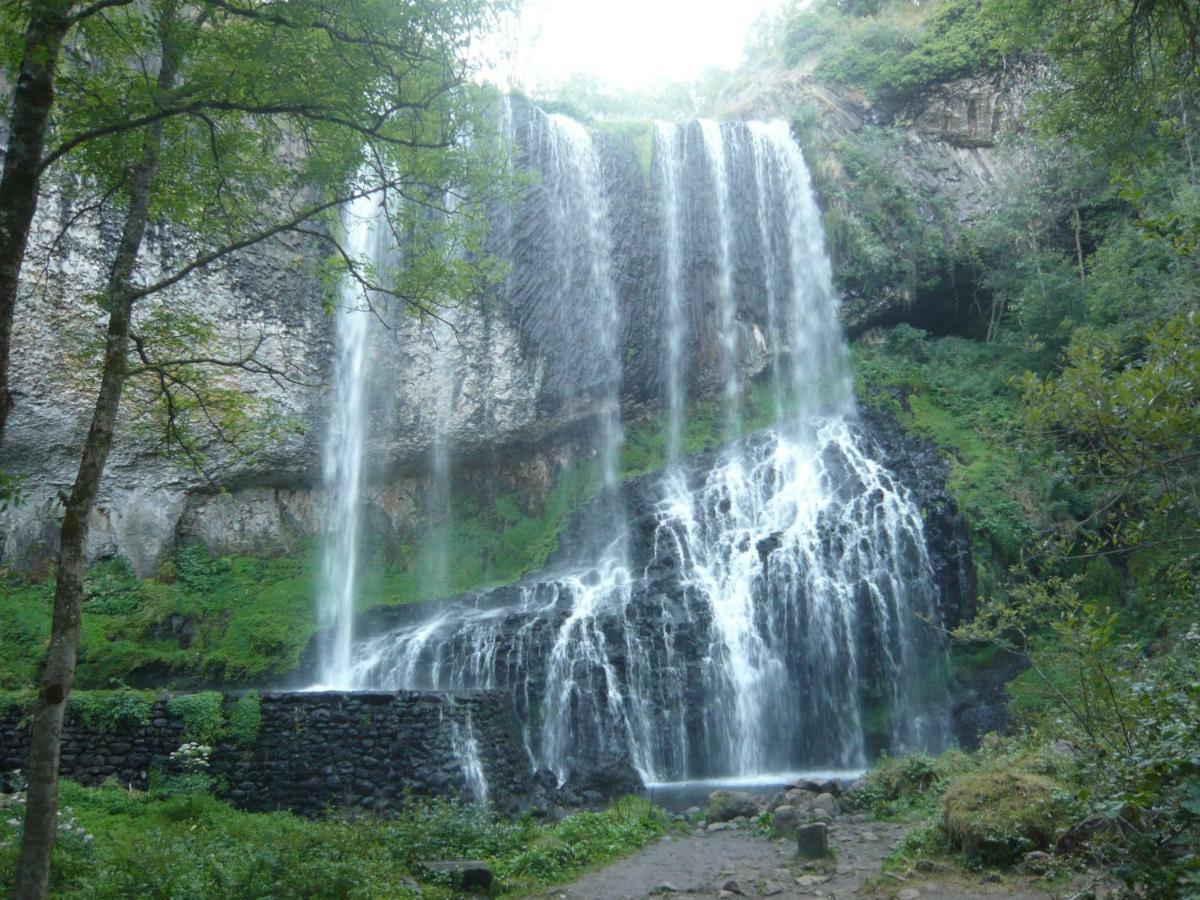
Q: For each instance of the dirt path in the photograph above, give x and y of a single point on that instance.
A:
(733, 863)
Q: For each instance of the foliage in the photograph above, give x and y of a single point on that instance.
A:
(193, 845)
(894, 48)
(897, 785)
(1131, 431)
(202, 714)
(245, 719)
(104, 711)
(1127, 69)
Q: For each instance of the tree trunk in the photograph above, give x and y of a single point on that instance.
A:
(31, 103)
(1077, 222)
(41, 810)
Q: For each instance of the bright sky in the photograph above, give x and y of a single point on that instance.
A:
(630, 43)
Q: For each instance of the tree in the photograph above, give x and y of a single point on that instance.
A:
(33, 98)
(237, 122)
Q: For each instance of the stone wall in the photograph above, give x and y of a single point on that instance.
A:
(314, 751)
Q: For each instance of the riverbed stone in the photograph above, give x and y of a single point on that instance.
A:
(725, 806)
(786, 820)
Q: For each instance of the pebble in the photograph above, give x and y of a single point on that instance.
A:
(720, 826)
(908, 894)
(868, 836)
(811, 880)
(666, 888)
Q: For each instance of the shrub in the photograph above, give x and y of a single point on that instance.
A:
(245, 719)
(996, 816)
(899, 784)
(103, 711)
(202, 714)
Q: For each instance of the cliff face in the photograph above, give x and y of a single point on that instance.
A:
(511, 385)
(952, 149)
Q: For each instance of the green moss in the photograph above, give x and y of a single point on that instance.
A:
(901, 784)
(995, 816)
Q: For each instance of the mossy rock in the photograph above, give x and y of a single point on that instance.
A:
(997, 816)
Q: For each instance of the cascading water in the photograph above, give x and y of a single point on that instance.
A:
(366, 240)
(714, 147)
(763, 615)
(465, 745)
(668, 171)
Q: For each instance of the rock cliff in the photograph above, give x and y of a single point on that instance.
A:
(521, 388)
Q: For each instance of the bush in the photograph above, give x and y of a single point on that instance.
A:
(203, 715)
(996, 816)
(245, 719)
(899, 784)
(103, 711)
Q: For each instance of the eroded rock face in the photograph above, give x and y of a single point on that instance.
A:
(513, 377)
(522, 389)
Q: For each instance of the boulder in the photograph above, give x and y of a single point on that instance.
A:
(786, 819)
(829, 786)
(725, 806)
(827, 803)
(812, 841)
(609, 779)
(464, 874)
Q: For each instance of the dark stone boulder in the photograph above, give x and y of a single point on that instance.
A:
(812, 841)
(470, 875)
(610, 778)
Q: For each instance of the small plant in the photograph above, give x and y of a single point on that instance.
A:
(192, 757)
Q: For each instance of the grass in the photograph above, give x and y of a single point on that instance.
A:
(117, 843)
(995, 817)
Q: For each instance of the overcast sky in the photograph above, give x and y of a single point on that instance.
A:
(629, 43)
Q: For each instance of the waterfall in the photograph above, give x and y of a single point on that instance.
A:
(714, 145)
(668, 165)
(344, 447)
(465, 746)
(435, 577)
(756, 609)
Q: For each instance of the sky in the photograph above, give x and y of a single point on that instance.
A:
(629, 43)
